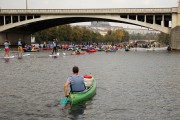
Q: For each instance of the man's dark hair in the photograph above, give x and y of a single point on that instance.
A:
(75, 69)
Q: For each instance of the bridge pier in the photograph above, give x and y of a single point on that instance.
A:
(175, 38)
(175, 31)
(13, 37)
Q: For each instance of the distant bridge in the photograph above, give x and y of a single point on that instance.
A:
(16, 23)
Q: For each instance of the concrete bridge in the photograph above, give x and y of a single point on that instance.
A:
(15, 23)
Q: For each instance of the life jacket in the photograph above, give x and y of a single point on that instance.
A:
(54, 44)
(19, 43)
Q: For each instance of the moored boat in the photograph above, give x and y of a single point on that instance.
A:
(90, 50)
(78, 97)
(77, 53)
(112, 50)
(157, 49)
(45, 48)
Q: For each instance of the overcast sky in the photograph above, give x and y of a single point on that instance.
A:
(83, 4)
(75, 4)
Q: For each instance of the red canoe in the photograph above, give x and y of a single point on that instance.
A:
(88, 50)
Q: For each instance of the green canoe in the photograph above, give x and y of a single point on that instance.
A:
(77, 97)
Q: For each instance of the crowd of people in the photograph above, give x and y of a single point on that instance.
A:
(54, 46)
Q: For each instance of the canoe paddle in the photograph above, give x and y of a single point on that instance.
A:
(64, 101)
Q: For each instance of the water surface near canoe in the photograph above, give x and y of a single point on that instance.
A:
(130, 86)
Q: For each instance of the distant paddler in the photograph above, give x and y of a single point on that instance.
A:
(20, 49)
(54, 47)
(6, 48)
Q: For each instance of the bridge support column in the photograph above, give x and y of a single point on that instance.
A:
(162, 22)
(154, 21)
(175, 38)
(11, 19)
(175, 31)
(178, 15)
(4, 20)
(18, 18)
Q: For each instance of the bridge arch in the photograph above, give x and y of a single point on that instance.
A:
(44, 22)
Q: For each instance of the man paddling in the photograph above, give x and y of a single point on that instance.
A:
(54, 47)
(20, 49)
(75, 81)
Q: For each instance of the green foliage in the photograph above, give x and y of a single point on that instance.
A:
(164, 38)
(117, 36)
(125, 37)
(148, 36)
(78, 34)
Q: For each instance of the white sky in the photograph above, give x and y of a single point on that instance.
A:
(77, 4)
(84, 4)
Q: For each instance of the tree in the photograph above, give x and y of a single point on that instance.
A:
(126, 37)
(164, 38)
(64, 33)
(86, 35)
(80, 34)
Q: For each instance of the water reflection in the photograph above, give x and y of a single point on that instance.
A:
(76, 110)
(6, 60)
(73, 112)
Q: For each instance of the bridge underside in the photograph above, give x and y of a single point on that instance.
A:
(45, 24)
(25, 28)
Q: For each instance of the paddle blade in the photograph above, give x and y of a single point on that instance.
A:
(64, 101)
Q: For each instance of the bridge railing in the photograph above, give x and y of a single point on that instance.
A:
(88, 11)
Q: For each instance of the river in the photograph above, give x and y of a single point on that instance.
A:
(134, 85)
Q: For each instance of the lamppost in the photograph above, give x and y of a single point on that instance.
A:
(26, 4)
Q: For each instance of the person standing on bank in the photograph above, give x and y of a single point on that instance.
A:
(75, 81)
(20, 49)
(6, 48)
(54, 47)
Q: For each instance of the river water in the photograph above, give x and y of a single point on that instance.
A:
(134, 85)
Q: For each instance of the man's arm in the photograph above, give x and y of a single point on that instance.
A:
(66, 88)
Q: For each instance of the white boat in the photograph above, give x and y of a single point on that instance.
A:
(156, 48)
(138, 49)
